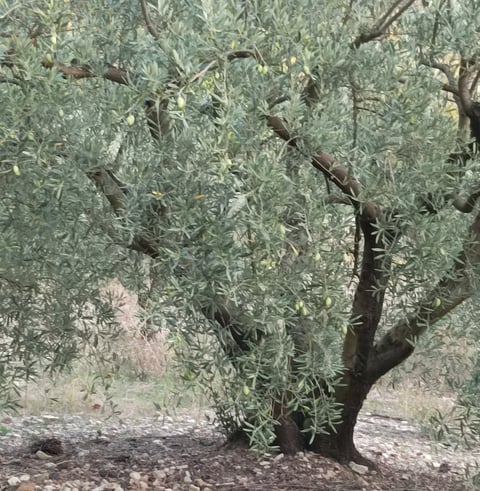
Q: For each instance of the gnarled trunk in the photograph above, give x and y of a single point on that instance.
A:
(339, 442)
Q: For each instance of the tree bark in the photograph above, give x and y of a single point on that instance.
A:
(339, 443)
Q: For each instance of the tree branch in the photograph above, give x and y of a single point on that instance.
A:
(452, 290)
(331, 169)
(148, 22)
(380, 28)
(116, 194)
(474, 84)
(464, 77)
(367, 303)
(77, 71)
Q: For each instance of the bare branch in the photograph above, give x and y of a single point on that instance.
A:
(380, 28)
(444, 68)
(367, 305)
(450, 89)
(245, 54)
(76, 71)
(388, 20)
(464, 77)
(111, 187)
(474, 84)
(148, 22)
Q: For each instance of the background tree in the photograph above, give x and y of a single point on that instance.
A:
(290, 173)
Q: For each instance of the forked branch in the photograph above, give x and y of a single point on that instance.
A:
(452, 290)
(386, 20)
(331, 169)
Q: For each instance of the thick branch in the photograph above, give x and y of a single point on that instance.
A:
(464, 94)
(326, 163)
(114, 74)
(116, 194)
(367, 304)
(451, 86)
(453, 289)
(474, 84)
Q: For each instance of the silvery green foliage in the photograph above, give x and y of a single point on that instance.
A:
(241, 219)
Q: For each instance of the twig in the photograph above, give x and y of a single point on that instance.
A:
(8, 12)
(7, 80)
(148, 22)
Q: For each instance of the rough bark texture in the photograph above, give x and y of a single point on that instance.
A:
(289, 437)
(340, 444)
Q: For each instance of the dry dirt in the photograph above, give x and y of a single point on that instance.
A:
(187, 453)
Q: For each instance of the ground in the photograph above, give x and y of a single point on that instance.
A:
(186, 452)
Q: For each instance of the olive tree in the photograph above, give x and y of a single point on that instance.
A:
(295, 183)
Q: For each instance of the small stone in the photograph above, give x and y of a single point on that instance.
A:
(25, 477)
(135, 476)
(359, 469)
(13, 481)
(27, 486)
(160, 475)
(278, 457)
(443, 467)
(192, 487)
(42, 476)
(329, 475)
(40, 454)
(50, 465)
(201, 483)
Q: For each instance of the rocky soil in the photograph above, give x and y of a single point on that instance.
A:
(73, 453)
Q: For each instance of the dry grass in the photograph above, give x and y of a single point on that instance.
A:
(409, 401)
(143, 383)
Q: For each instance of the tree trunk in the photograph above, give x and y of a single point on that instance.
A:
(339, 443)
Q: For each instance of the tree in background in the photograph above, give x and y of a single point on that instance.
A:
(298, 181)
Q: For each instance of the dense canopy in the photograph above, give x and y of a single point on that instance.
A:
(291, 186)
